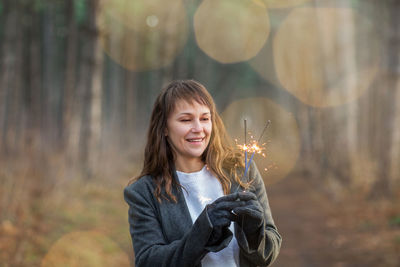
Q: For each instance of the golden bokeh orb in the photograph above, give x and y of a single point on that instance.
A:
(142, 34)
(263, 64)
(284, 3)
(231, 31)
(282, 138)
(321, 55)
(85, 248)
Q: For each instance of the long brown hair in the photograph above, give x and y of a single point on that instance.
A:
(219, 155)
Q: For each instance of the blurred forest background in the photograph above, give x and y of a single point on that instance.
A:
(78, 79)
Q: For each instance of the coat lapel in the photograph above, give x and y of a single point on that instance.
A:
(176, 220)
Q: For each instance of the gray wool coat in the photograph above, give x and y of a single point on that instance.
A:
(163, 233)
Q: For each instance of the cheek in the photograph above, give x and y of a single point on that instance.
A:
(209, 129)
(180, 131)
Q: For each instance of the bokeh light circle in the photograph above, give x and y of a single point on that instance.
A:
(284, 3)
(282, 136)
(231, 30)
(321, 57)
(263, 64)
(142, 34)
(85, 248)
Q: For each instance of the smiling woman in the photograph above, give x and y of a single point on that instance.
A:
(188, 148)
(188, 130)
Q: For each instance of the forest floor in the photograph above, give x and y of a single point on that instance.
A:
(319, 231)
(85, 224)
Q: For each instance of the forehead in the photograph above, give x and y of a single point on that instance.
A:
(193, 107)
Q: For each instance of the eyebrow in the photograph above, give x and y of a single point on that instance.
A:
(188, 113)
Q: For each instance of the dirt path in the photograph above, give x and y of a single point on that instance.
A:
(319, 232)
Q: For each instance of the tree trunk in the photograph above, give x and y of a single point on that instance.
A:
(349, 66)
(49, 77)
(130, 110)
(35, 81)
(386, 95)
(7, 73)
(395, 148)
(394, 45)
(95, 118)
(395, 71)
(70, 74)
(78, 125)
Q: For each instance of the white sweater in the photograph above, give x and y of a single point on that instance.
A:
(202, 189)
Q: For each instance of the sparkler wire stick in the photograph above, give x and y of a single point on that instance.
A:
(245, 141)
(248, 164)
(265, 128)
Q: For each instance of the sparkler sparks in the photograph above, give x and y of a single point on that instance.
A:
(253, 147)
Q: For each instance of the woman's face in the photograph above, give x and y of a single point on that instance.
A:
(189, 130)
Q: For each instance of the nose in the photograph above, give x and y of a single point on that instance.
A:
(196, 127)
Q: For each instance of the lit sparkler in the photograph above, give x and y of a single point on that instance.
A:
(252, 148)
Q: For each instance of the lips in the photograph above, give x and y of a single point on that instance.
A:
(194, 140)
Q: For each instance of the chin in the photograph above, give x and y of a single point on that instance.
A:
(197, 154)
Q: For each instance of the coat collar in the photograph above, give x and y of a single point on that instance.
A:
(175, 216)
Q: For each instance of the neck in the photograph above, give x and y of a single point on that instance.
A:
(185, 165)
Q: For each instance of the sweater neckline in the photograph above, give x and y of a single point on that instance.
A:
(191, 174)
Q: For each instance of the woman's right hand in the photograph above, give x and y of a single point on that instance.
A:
(220, 213)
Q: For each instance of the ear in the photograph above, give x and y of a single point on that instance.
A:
(166, 132)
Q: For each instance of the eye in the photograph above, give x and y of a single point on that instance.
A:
(205, 119)
(184, 120)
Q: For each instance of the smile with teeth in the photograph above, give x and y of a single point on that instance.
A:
(193, 140)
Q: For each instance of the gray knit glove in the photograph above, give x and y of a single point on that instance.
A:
(250, 216)
(221, 216)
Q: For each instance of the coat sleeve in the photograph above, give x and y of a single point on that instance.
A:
(149, 243)
(265, 251)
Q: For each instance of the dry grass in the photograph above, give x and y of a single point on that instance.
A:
(51, 217)
(39, 209)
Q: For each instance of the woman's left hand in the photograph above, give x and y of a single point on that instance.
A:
(250, 217)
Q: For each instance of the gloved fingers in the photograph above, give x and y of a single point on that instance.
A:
(232, 216)
(229, 205)
(236, 217)
(249, 211)
(247, 195)
(221, 218)
(221, 223)
(255, 204)
(233, 199)
(230, 197)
